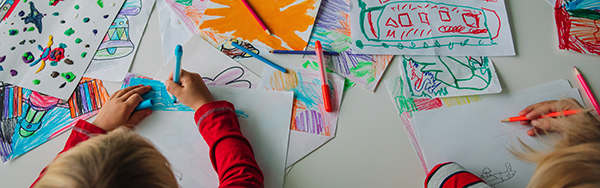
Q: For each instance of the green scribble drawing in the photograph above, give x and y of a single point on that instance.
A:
(315, 66)
(340, 43)
(364, 68)
(471, 74)
(422, 42)
(184, 2)
(404, 104)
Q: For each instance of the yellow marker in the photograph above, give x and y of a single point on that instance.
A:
(50, 42)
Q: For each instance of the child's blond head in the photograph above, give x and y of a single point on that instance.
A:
(120, 158)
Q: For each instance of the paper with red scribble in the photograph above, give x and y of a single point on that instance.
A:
(311, 125)
(29, 119)
(439, 27)
(578, 22)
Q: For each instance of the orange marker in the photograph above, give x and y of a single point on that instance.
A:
(553, 114)
(324, 87)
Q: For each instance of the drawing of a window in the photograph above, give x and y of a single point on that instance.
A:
(445, 16)
(424, 18)
(471, 20)
(404, 19)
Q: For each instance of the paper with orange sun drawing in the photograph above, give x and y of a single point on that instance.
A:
(289, 21)
(311, 125)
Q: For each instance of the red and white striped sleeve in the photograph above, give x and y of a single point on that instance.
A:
(452, 175)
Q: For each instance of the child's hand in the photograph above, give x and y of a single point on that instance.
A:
(542, 108)
(192, 92)
(118, 110)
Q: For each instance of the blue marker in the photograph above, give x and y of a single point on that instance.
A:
(276, 66)
(177, 70)
(144, 104)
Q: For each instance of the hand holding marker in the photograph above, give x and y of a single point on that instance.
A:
(177, 70)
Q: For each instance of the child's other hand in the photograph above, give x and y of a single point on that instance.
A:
(192, 92)
(118, 110)
(542, 108)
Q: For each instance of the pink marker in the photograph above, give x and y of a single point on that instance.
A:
(587, 89)
(256, 16)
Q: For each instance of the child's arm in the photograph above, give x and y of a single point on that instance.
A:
(230, 153)
(116, 112)
(452, 175)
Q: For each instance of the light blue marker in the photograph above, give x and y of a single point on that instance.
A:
(177, 70)
(144, 104)
(276, 66)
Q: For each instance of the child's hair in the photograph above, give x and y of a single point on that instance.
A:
(575, 160)
(120, 158)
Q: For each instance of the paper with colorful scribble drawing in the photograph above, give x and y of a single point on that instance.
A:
(215, 68)
(290, 22)
(190, 12)
(29, 119)
(439, 27)
(311, 125)
(116, 52)
(444, 76)
(332, 28)
(577, 25)
(47, 46)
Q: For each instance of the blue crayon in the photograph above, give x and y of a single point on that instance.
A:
(144, 104)
(276, 66)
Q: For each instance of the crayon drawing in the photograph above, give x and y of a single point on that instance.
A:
(444, 76)
(290, 22)
(29, 119)
(190, 12)
(406, 105)
(577, 22)
(308, 114)
(442, 27)
(117, 50)
(332, 28)
(47, 46)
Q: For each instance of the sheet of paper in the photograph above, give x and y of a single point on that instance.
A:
(172, 30)
(332, 28)
(473, 136)
(438, 27)
(406, 105)
(577, 25)
(444, 76)
(264, 124)
(29, 119)
(215, 68)
(116, 52)
(46, 47)
(290, 22)
(190, 12)
(311, 125)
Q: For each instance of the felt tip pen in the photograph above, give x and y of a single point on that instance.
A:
(302, 52)
(324, 87)
(276, 66)
(177, 69)
(144, 104)
(553, 114)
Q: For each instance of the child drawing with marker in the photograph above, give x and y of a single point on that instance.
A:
(106, 153)
(574, 162)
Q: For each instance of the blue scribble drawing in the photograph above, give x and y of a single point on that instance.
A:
(163, 101)
(29, 119)
(117, 43)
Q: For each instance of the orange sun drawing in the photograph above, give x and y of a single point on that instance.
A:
(290, 21)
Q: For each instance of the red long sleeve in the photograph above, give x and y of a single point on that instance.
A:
(230, 153)
(81, 132)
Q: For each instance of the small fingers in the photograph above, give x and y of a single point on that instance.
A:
(138, 116)
(123, 91)
(547, 107)
(544, 123)
(139, 90)
(172, 87)
(134, 100)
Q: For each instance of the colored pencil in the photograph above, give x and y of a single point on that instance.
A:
(302, 52)
(324, 87)
(276, 66)
(256, 16)
(553, 114)
(177, 69)
(587, 89)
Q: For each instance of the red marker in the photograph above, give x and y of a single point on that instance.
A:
(324, 87)
(553, 114)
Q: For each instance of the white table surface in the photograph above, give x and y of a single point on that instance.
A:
(371, 147)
